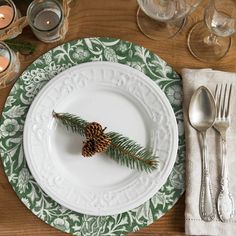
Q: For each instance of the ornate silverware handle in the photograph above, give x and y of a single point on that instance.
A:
(206, 205)
(225, 202)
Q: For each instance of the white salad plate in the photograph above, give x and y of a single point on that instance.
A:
(120, 98)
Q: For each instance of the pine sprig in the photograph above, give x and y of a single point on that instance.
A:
(124, 151)
(71, 122)
(128, 153)
(21, 46)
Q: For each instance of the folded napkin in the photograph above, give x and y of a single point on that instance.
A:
(194, 225)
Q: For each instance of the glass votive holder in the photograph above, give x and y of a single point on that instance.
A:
(8, 15)
(9, 65)
(46, 19)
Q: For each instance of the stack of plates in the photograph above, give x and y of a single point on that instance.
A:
(77, 194)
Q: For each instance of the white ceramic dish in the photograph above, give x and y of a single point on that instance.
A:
(123, 100)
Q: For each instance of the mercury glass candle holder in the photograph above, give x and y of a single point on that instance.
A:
(9, 66)
(8, 15)
(46, 19)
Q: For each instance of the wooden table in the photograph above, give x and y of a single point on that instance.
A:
(117, 19)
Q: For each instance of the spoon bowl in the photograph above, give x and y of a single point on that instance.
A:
(202, 109)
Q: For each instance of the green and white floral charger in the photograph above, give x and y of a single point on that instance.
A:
(11, 135)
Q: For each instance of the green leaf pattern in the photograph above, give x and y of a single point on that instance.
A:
(11, 135)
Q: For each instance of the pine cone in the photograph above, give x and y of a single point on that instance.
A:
(102, 143)
(97, 141)
(93, 130)
(88, 148)
(99, 144)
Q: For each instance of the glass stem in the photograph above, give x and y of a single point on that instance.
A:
(211, 40)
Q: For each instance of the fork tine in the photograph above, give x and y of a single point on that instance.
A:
(215, 94)
(216, 100)
(223, 112)
(220, 102)
(228, 102)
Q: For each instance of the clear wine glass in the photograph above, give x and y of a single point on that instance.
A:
(210, 40)
(163, 18)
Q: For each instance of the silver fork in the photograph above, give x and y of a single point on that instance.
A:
(225, 202)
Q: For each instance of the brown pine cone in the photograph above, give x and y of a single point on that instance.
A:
(102, 143)
(88, 149)
(99, 144)
(97, 141)
(93, 129)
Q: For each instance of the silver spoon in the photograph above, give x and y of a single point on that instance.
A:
(202, 113)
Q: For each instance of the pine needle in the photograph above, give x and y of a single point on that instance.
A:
(71, 122)
(124, 151)
(128, 153)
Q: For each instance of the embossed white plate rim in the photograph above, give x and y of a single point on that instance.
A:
(81, 209)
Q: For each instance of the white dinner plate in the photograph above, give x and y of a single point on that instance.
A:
(118, 97)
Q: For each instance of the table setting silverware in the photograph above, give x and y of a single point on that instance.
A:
(221, 141)
(202, 113)
(206, 111)
(225, 202)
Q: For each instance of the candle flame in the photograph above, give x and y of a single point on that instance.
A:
(2, 17)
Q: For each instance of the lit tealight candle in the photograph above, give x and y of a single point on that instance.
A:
(6, 16)
(47, 19)
(9, 65)
(4, 62)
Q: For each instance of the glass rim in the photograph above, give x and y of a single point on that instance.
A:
(11, 3)
(5, 46)
(32, 4)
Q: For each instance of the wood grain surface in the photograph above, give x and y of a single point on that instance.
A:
(117, 19)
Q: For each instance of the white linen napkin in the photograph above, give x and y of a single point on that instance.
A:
(194, 225)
